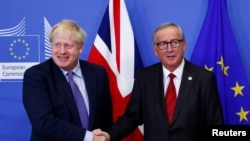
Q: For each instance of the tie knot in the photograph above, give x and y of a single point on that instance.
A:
(70, 74)
(171, 76)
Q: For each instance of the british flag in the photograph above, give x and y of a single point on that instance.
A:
(115, 49)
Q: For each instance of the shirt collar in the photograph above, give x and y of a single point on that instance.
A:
(76, 70)
(177, 72)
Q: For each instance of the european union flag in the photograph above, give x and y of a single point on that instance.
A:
(19, 49)
(217, 51)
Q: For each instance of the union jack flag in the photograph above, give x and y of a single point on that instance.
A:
(115, 49)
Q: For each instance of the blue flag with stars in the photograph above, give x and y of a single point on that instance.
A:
(217, 51)
(19, 49)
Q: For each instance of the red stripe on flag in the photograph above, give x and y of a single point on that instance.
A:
(119, 103)
(116, 9)
(107, 60)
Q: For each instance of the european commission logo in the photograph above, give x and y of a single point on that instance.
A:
(17, 52)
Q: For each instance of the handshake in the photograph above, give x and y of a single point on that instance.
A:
(99, 135)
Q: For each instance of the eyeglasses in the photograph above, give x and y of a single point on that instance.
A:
(164, 44)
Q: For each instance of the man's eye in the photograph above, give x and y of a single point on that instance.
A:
(57, 45)
(174, 41)
(68, 46)
(163, 43)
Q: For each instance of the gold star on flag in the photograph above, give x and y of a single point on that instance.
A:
(225, 70)
(221, 62)
(242, 114)
(207, 68)
(223, 67)
(237, 89)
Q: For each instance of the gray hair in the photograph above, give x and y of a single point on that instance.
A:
(166, 25)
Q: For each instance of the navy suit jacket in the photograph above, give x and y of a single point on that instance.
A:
(50, 105)
(197, 107)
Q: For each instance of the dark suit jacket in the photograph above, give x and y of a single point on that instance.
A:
(198, 106)
(50, 105)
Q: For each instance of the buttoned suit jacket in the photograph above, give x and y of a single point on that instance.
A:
(50, 106)
(197, 107)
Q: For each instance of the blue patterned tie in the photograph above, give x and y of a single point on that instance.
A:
(79, 101)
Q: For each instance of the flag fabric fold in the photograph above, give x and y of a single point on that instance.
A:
(115, 49)
(216, 50)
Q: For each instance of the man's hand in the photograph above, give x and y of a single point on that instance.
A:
(99, 135)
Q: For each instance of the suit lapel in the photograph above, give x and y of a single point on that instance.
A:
(64, 89)
(90, 83)
(157, 88)
(184, 93)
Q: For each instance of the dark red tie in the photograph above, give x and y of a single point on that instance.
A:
(170, 98)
